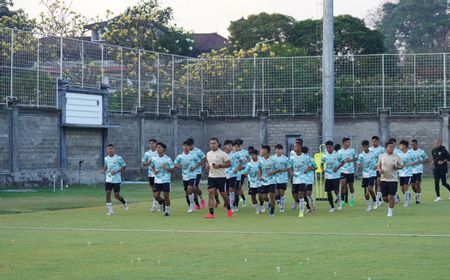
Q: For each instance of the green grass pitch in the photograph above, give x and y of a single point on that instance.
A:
(67, 235)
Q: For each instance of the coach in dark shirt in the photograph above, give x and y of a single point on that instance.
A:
(440, 158)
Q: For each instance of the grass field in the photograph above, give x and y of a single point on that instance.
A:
(67, 235)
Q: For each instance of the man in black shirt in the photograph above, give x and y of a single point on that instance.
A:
(440, 158)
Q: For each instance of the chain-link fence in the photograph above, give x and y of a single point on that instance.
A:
(158, 83)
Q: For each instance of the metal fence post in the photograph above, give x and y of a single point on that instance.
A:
(382, 81)
(415, 81)
(254, 87)
(11, 81)
(139, 79)
(233, 89)
(157, 84)
(102, 63)
(202, 88)
(353, 84)
(445, 80)
(61, 56)
(173, 82)
(82, 64)
(292, 87)
(187, 88)
(37, 73)
(121, 80)
(262, 83)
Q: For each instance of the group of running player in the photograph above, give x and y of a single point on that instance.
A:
(268, 175)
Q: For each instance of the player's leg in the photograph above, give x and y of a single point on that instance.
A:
(417, 186)
(211, 197)
(186, 194)
(262, 198)
(329, 191)
(272, 199)
(155, 204)
(301, 196)
(116, 188)
(350, 182)
(108, 190)
(405, 189)
(216, 196)
(309, 193)
(344, 190)
(241, 190)
(378, 189)
(391, 191)
(166, 193)
(198, 192)
(191, 193)
(157, 196)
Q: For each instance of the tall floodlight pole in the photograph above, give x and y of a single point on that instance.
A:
(328, 72)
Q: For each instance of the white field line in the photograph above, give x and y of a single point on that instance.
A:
(228, 232)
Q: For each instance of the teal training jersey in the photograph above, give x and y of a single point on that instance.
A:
(113, 163)
(163, 175)
(282, 162)
(349, 167)
(368, 162)
(419, 155)
(331, 161)
(267, 166)
(187, 162)
(148, 155)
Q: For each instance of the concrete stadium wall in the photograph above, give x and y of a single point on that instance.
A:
(30, 152)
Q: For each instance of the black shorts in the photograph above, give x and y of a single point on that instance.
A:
(368, 182)
(282, 186)
(378, 174)
(267, 189)
(197, 180)
(295, 188)
(238, 183)
(305, 188)
(405, 181)
(416, 178)
(388, 188)
(230, 183)
(217, 183)
(349, 177)
(243, 176)
(253, 191)
(112, 186)
(332, 185)
(164, 187)
(190, 182)
(151, 181)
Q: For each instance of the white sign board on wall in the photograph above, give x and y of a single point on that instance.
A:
(84, 109)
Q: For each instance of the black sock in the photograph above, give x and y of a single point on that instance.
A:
(188, 201)
(211, 211)
(217, 198)
(297, 200)
(243, 197)
(236, 200)
(307, 202)
(261, 203)
(196, 201)
(330, 199)
(228, 206)
(122, 200)
(272, 210)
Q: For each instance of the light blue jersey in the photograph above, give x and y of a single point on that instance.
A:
(251, 170)
(331, 161)
(245, 157)
(377, 151)
(368, 162)
(187, 163)
(310, 174)
(397, 151)
(163, 175)
(407, 159)
(198, 156)
(148, 156)
(282, 162)
(349, 167)
(235, 159)
(419, 155)
(114, 163)
(298, 165)
(267, 166)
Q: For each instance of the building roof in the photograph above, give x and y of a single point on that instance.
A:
(209, 41)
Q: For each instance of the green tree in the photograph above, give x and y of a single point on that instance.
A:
(147, 26)
(352, 36)
(16, 19)
(415, 25)
(245, 33)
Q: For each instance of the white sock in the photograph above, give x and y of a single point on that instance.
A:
(369, 202)
(418, 196)
(339, 199)
(302, 205)
(109, 206)
(231, 196)
(191, 200)
(282, 201)
(378, 198)
(407, 197)
(390, 210)
(352, 196)
(313, 202)
(168, 209)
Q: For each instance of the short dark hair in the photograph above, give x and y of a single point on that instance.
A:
(238, 142)
(110, 145)
(279, 146)
(254, 152)
(389, 143)
(214, 139)
(152, 140)
(190, 141)
(337, 147)
(404, 142)
(392, 140)
(299, 140)
(345, 139)
(375, 137)
(162, 145)
(265, 147)
(365, 143)
(228, 142)
(305, 150)
(414, 141)
(329, 143)
(187, 143)
(251, 148)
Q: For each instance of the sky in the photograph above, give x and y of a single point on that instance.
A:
(207, 16)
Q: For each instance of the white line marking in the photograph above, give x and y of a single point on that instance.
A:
(231, 232)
